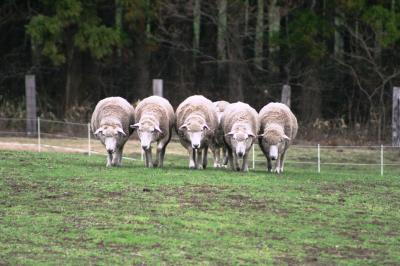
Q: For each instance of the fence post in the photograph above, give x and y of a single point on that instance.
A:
(38, 130)
(158, 87)
(396, 117)
(88, 133)
(30, 94)
(381, 160)
(286, 94)
(319, 159)
(254, 162)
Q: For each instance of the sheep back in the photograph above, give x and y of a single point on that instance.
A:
(197, 104)
(240, 112)
(279, 113)
(158, 107)
(113, 111)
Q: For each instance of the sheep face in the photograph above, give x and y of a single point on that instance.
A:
(275, 142)
(110, 136)
(148, 132)
(219, 115)
(241, 141)
(195, 132)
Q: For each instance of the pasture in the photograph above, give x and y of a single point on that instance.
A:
(71, 209)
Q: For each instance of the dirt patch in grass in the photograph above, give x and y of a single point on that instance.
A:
(341, 252)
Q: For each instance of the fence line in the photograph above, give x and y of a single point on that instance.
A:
(89, 150)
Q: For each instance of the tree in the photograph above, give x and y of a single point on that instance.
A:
(72, 28)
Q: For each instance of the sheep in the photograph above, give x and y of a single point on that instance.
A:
(196, 123)
(154, 121)
(278, 128)
(218, 143)
(110, 123)
(240, 125)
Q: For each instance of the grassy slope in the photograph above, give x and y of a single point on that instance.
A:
(69, 208)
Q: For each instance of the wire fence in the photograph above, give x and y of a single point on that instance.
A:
(53, 135)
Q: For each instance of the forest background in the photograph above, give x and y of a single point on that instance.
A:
(340, 58)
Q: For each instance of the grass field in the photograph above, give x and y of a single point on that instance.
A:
(71, 209)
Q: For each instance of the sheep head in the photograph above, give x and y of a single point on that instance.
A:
(275, 140)
(148, 132)
(241, 138)
(195, 131)
(110, 136)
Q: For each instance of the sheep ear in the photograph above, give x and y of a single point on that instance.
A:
(230, 134)
(98, 131)
(206, 127)
(120, 130)
(184, 126)
(157, 128)
(251, 135)
(286, 138)
(134, 126)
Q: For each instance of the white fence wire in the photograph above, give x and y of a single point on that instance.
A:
(77, 137)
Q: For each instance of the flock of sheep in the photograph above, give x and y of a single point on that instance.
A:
(227, 129)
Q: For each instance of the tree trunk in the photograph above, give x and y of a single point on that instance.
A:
(118, 19)
(222, 22)
(73, 74)
(141, 70)
(311, 97)
(236, 59)
(339, 43)
(273, 29)
(222, 66)
(259, 40)
(196, 25)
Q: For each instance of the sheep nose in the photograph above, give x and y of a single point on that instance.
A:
(145, 147)
(240, 154)
(196, 146)
(273, 158)
(110, 151)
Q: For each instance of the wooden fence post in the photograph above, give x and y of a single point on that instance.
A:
(286, 94)
(158, 87)
(30, 93)
(396, 117)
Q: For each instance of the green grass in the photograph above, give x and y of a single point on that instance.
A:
(71, 209)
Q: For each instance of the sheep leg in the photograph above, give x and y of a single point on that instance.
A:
(205, 153)
(278, 164)
(158, 152)
(192, 158)
(230, 158)
(215, 156)
(245, 164)
(283, 160)
(119, 153)
(236, 162)
(109, 159)
(269, 164)
(162, 154)
(115, 158)
(226, 156)
(149, 161)
(198, 159)
(145, 158)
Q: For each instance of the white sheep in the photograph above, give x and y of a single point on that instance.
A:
(218, 143)
(110, 123)
(240, 124)
(154, 120)
(278, 128)
(196, 122)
